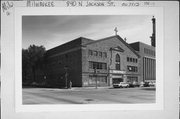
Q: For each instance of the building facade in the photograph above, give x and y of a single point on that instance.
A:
(86, 62)
(147, 64)
(111, 59)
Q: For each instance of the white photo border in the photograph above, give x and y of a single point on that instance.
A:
(154, 11)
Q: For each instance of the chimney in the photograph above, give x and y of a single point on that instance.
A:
(153, 37)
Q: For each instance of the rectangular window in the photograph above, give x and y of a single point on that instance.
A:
(90, 52)
(132, 68)
(133, 60)
(94, 65)
(128, 59)
(136, 60)
(97, 65)
(100, 54)
(95, 53)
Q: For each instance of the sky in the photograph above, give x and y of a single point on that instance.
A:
(52, 31)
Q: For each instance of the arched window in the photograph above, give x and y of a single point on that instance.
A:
(118, 62)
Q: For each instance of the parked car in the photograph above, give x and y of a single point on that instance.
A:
(131, 85)
(142, 84)
(146, 84)
(121, 85)
(134, 84)
(152, 84)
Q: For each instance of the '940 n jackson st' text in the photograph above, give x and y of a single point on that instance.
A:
(89, 3)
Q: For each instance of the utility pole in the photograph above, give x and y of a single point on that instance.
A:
(95, 75)
(66, 74)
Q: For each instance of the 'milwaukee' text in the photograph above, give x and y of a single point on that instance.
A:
(31, 3)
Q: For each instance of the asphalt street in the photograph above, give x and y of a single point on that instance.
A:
(88, 95)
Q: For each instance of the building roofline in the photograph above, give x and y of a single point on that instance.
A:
(128, 46)
(69, 42)
(118, 37)
(95, 41)
(141, 43)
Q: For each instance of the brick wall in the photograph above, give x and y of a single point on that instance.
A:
(104, 46)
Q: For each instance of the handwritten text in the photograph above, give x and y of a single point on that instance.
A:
(32, 3)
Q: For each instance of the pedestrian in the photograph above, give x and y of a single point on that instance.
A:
(70, 84)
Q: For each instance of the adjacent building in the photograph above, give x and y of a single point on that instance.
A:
(147, 61)
(147, 65)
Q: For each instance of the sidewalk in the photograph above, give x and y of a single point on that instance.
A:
(72, 89)
(91, 88)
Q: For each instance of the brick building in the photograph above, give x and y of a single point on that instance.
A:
(86, 62)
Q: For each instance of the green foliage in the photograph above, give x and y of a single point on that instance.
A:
(32, 64)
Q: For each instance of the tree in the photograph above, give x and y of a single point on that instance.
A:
(26, 70)
(32, 59)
